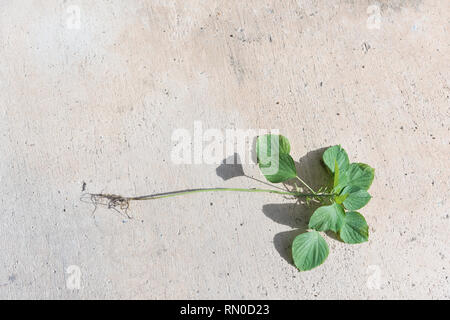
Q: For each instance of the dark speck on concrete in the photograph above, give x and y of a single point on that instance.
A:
(365, 47)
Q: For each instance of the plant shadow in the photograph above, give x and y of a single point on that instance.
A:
(230, 167)
(312, 170)
(295, 215)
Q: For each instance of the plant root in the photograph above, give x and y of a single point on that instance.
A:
(115, 202)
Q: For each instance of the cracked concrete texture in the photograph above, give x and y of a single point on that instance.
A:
(95, 107)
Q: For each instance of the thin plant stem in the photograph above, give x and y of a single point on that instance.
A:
(268, 184)
(310, 189)
(185, 192)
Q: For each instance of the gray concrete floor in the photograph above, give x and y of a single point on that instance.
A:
(91, 92)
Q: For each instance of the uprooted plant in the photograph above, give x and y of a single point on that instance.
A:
(340, 201)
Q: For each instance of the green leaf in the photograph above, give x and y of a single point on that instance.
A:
(280, 169)
(356, 198)
(336, 154)
(276, 164)
(354, 229)
(309, 250)
(270, 145)
(327, 218)
(358, 175)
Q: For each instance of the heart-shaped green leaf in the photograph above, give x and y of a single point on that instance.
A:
(279, 169)
(354, 229)
(270, 145)
(327, 218)
(309, 250)
(276, 164)
(336, 154)
(356, 198)
(357, 174)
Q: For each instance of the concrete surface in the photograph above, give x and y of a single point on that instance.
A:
(95, 101)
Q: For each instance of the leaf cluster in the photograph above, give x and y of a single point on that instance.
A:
(349, 193)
